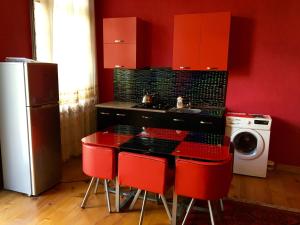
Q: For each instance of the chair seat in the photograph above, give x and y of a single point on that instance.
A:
(144, 172)
(99, 161)
(201, 180)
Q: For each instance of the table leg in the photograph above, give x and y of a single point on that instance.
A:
(174, 209)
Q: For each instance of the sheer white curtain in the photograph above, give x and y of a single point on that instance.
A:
(65, 35)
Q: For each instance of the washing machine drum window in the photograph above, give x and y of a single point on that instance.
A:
(245, 143)
(248, 144)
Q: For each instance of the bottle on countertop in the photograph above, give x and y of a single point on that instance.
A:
(179, 102)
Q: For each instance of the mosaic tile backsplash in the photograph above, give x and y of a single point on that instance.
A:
(200, 88)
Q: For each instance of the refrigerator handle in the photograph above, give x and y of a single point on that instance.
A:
(43, 106)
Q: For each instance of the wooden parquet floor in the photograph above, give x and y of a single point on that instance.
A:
(61, 204)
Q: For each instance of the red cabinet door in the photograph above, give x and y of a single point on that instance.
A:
(215, 29)
(120, 42)
(201, 41)
(186, 47)
(120, 56)
(119, 30)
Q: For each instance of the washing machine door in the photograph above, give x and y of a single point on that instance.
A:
(248, 143)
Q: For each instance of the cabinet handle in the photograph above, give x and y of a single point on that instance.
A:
(119, 41)
(118, 66)
(120, 114)
(211, 68)
(206, 122)
(104, 113)
(184, 67)
(146, 117)
(178, 120)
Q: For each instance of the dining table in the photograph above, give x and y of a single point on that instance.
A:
(169, 143)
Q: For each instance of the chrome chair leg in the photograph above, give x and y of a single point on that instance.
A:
(188, 210)
(135, 199)
(87, 193)
(166, 206)
(174, 209)
(96, 186)
(117, 195)
(211, 213)
(107, 196)
(142, 210)
(221, 204)
(157, 198)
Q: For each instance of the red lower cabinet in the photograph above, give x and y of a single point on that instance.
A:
(201, 41)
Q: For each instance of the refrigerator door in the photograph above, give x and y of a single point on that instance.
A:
(13, 129)
(45, 154)
(41, 83)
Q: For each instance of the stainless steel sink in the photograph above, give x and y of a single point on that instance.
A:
(185, 110)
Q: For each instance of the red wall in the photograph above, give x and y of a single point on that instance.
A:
(15, 34)
(264, 58)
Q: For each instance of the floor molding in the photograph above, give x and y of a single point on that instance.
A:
(288, 168)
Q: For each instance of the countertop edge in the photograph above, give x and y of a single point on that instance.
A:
(125, 106)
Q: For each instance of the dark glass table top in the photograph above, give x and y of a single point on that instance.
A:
(150, 145)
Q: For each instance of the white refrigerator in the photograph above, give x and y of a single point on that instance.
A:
(29, 126)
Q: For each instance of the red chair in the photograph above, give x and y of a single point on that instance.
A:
(146, 173)
(201, 180)
(98, 162)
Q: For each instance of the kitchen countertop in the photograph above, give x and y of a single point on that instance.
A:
(127, 106)
(208, 111)
(116, 105)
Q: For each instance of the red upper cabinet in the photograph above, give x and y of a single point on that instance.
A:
(121, 43)
(201, 41)
(119, 30)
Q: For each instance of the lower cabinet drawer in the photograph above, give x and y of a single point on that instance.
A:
(149, 119)
(196, 123)
(107, 117)
(178, 121)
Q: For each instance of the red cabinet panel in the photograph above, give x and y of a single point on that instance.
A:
(123, 45)
(201, 41)
(120, 30)
(186, 49)
(120, 56)
(215, 40)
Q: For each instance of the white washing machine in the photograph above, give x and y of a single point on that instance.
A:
(250, 135)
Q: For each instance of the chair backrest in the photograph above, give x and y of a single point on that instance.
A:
(203, 180)
(98, 161)
(142, 171)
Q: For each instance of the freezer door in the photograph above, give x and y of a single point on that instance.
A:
(41, 83)
(45, 154)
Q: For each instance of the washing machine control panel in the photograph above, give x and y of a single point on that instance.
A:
(262, 122)
(252, 121)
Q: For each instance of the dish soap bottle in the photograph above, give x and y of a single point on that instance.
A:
(179, 102)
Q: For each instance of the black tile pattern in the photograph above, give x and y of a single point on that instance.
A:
(201, 88)
(205, 138)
